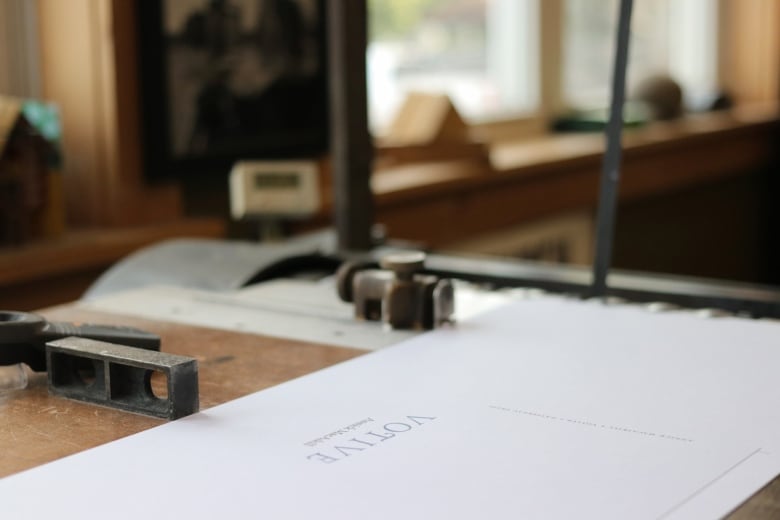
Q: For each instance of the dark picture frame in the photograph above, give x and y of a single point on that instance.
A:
(228, 80)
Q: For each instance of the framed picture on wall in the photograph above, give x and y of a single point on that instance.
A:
(225, 80)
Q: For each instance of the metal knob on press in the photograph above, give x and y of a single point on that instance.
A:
(404, 264)
(399, 294)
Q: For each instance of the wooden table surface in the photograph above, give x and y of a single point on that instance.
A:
(36, 428)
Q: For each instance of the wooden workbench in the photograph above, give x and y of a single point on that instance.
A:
(36, 428)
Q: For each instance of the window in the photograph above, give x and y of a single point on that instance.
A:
(481, 53)
(667, 37)
(498, 59)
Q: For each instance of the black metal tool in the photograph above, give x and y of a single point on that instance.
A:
(121, 377)
(610, 173)
(23, 337)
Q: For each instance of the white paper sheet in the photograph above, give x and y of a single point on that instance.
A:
(542, 409)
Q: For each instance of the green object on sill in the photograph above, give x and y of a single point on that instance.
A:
(45, 118)
(595, 120)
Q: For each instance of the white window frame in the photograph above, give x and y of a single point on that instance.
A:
(548, 62)
(682, 64)
(550, 69)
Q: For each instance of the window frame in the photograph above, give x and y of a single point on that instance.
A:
(749, 74)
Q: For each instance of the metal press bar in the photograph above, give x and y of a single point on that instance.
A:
(610, 172)
(350, 141)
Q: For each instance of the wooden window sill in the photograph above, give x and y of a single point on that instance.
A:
(445, 201)
(53, 271)
(565, 152)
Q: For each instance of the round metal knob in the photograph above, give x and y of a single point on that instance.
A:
(403, 264)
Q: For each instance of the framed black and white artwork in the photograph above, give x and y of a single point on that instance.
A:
(225, 80)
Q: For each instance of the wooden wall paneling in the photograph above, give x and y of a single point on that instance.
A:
(65, 49)
(19, 56)
(750, 49)
(143, 204)
(89, 70)
(714, 230)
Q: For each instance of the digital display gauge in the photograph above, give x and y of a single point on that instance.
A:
(274, 189)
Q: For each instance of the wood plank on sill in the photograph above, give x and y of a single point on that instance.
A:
(536, 178)
(532, 155)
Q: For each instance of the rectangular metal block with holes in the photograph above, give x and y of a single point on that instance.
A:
(121, 377)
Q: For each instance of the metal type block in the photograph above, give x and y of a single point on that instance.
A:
(120, 377)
